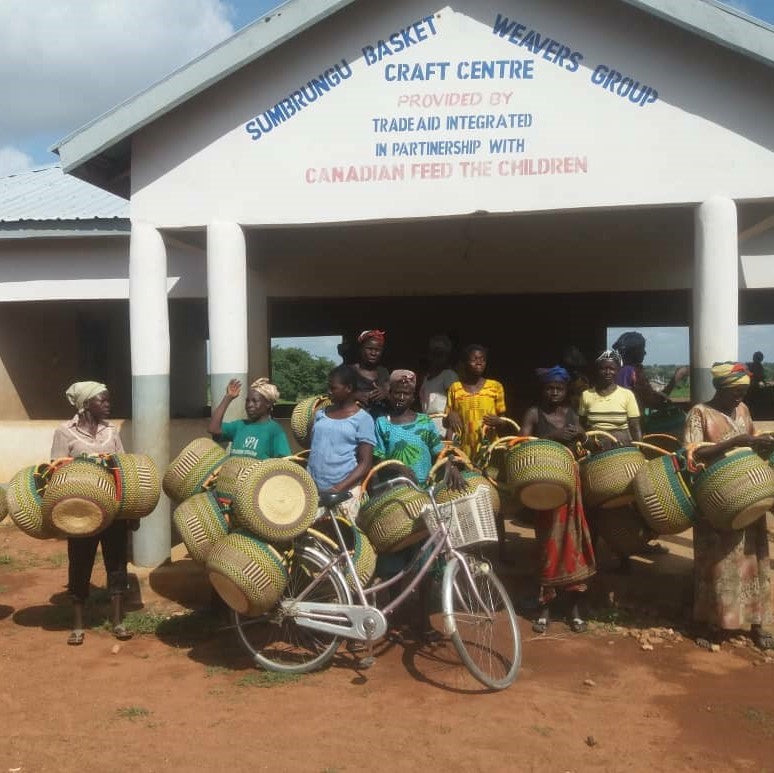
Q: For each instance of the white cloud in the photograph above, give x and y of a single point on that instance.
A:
(63, 63)
(13, 160)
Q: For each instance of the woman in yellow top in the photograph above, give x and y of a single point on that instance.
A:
(474, 404)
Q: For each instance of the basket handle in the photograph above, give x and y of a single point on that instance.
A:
(376, 468)
(592, 433)
(649, 447)
(506, 419)
(297, 458)
(460, 457)
(662, 435)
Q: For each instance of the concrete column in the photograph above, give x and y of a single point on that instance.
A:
(227, 311)
(715, 331)
(149, 335)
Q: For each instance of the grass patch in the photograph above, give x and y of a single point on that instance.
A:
(216, 671)
(267, 679)
(139, 622)
(132, 712)
(6, 560)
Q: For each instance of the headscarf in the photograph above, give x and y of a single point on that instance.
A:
(81, 392)
(630, 340)
(550, 375)
(729, 374)
(407, 377)
(611, 354)
(377, 335)
(266, 390)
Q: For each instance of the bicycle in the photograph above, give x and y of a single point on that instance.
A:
(325, 601)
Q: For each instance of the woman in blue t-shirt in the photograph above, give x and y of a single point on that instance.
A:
(342, 439)
(259, 436)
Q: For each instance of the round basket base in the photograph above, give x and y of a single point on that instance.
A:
(230, 592)
(79, 517)
(543, 496)
(616, 502)
(751, 514)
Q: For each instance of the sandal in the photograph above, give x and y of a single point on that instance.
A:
(540, 625)
(75, 638)
(578, 625)
(121, 633)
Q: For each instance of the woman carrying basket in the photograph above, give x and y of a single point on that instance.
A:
(89, 432)
(566, 551)
(732, 583)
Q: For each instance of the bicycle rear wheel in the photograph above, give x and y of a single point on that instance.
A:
(274, 640)
(480, 619)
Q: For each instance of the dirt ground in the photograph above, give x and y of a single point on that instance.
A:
(183, 696)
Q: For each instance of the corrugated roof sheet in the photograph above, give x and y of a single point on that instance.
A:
(49, 194)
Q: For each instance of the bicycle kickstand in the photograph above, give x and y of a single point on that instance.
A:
(368, 660)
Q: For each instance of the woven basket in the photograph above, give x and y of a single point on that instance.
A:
(662, 496)
(137, 485)
(249, 575)
(201, 524)
(25, 502)
(607, 478)
(276, 501)
(3, 504)
(192, 468)
(622, 528)
(302, 418)
(80, 498)
(232, 475)
(736, 490)
(358, 545)
(542, 473)
(474, 479)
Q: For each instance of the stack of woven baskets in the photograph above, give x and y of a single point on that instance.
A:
(81, 497)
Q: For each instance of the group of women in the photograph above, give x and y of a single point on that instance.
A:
(372, 416)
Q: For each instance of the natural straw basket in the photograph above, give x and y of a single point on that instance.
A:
(302, 418)
(541, 473)
(249, 575)
(192, 468)
(662, 496)
(358, 545)
(473, 477)
(137, 485)
(232, 475)
(25, 501)
(80, 498)
(277, 500)
(606, 478)
(3, 504)
(391, 518)
(736, 490)
(201, 524)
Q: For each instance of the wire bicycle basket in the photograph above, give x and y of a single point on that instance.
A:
(470, 519)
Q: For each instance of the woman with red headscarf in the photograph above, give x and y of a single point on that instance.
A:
(372, 377)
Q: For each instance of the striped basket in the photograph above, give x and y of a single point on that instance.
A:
(137, 485)
(3, 504)
(358, 545)
(249, 575)
(622, 528)
(276, 501)
(192, 468)
(201, 524)
(474, 479)
(80, 498)
(736, 490)
(542, 473)
(303, 416)
(25, 502)
(607, 478)
(662, 496)
(232, 475)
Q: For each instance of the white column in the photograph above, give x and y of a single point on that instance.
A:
(715, 332)
(149, 336)
(227, 310)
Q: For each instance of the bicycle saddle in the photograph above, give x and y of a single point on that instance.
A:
(329, 499)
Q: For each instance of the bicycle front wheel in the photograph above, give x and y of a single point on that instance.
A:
(480, 619)
(274, 640)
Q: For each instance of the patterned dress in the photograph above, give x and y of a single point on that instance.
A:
(472, 408)
(415, 444)
(732, 586)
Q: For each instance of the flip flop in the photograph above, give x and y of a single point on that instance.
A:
(540, 625)
(75, 639)
(577, 625)
(121, 633)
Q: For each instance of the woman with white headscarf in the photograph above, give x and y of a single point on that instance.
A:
(90, 433)
(258, 436)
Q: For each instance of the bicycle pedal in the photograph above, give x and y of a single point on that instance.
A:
(366, 662)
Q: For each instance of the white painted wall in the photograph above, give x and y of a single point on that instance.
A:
(710, 132)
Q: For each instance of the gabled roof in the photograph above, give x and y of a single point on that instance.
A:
(100, 151)
(48, 200)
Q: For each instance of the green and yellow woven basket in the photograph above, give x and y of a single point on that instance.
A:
(358, 545)
(276, 501)
(662, 496)
(607, 478)
(248, 574)
(3, 504)
(201, 524)
(302, 418)
(736, 490)
(80, 498)
(137, 485)
(622, 528)
(541, 473)
(25, 502)
(232, 476)
(474, 479)
(192, 468)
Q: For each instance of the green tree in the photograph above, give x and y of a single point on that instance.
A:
(298, 374)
